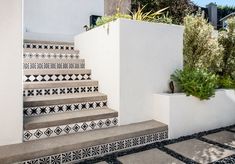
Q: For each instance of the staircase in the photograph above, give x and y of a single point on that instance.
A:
(66, 118)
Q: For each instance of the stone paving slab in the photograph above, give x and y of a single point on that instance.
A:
(200, 151)
(223, 137)
(152, 156)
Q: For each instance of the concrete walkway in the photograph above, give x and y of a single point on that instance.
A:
(214, 147)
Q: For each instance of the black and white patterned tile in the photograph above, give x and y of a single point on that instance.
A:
(48, 46)
(59, 91)
(27, 66)
(50, 55)
(103, 149)
(42, 110)
(56, 77)
(69, 129)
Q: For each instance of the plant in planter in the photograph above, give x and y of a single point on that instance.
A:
(201, 49)
(105, 19)
(196, 82)
(150, 16)
(146, 16)
(226, 82)
(227, 40)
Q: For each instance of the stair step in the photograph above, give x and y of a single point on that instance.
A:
(59, 88)
(53, 64)
(63, 99)
(80, 146)
(50, 54)
(67, 118)
(67, 123)
(56, 75)
(41, 105)
(35, 44)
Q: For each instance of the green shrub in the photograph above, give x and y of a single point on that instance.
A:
(165, 18)
(201, 49)
(226, 82)
(227, 40)
(195, 82)
(178, 9)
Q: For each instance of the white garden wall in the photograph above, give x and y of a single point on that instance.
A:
(11, 99)
(58, 20)
(132, 60)
(187, 115)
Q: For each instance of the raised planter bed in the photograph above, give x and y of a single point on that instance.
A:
(186, 115)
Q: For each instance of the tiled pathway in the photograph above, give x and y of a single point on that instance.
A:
(214, 147)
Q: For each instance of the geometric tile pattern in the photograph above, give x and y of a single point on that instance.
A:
(56, 77)
(41, 110)
(54, 65)
(48, 46)
(51, 55)
(69, 128)
(59, 91)
(100, 150)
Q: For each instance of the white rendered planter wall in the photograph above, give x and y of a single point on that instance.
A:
(132, 60)
(187, 115)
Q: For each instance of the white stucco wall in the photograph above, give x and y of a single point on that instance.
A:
(100, 49)
(186, 115)
(132, 60)
(11, 100)
(58, 20)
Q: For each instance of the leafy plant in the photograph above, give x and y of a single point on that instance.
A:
(226, 82)
(138, 15)
(201, 49)
(165, 18)
(227, 40)
(196, 82)
(146, 16)
(105, 19)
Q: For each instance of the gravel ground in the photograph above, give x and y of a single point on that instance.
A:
(112, 158)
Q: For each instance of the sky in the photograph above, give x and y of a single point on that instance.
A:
(203, 3)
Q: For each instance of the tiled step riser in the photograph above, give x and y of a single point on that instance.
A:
(47, 65)
(103, 149)
(55, 131)
(59, 91)
(48, 46)
(56, 77)
(42, 110)
(50, 55)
